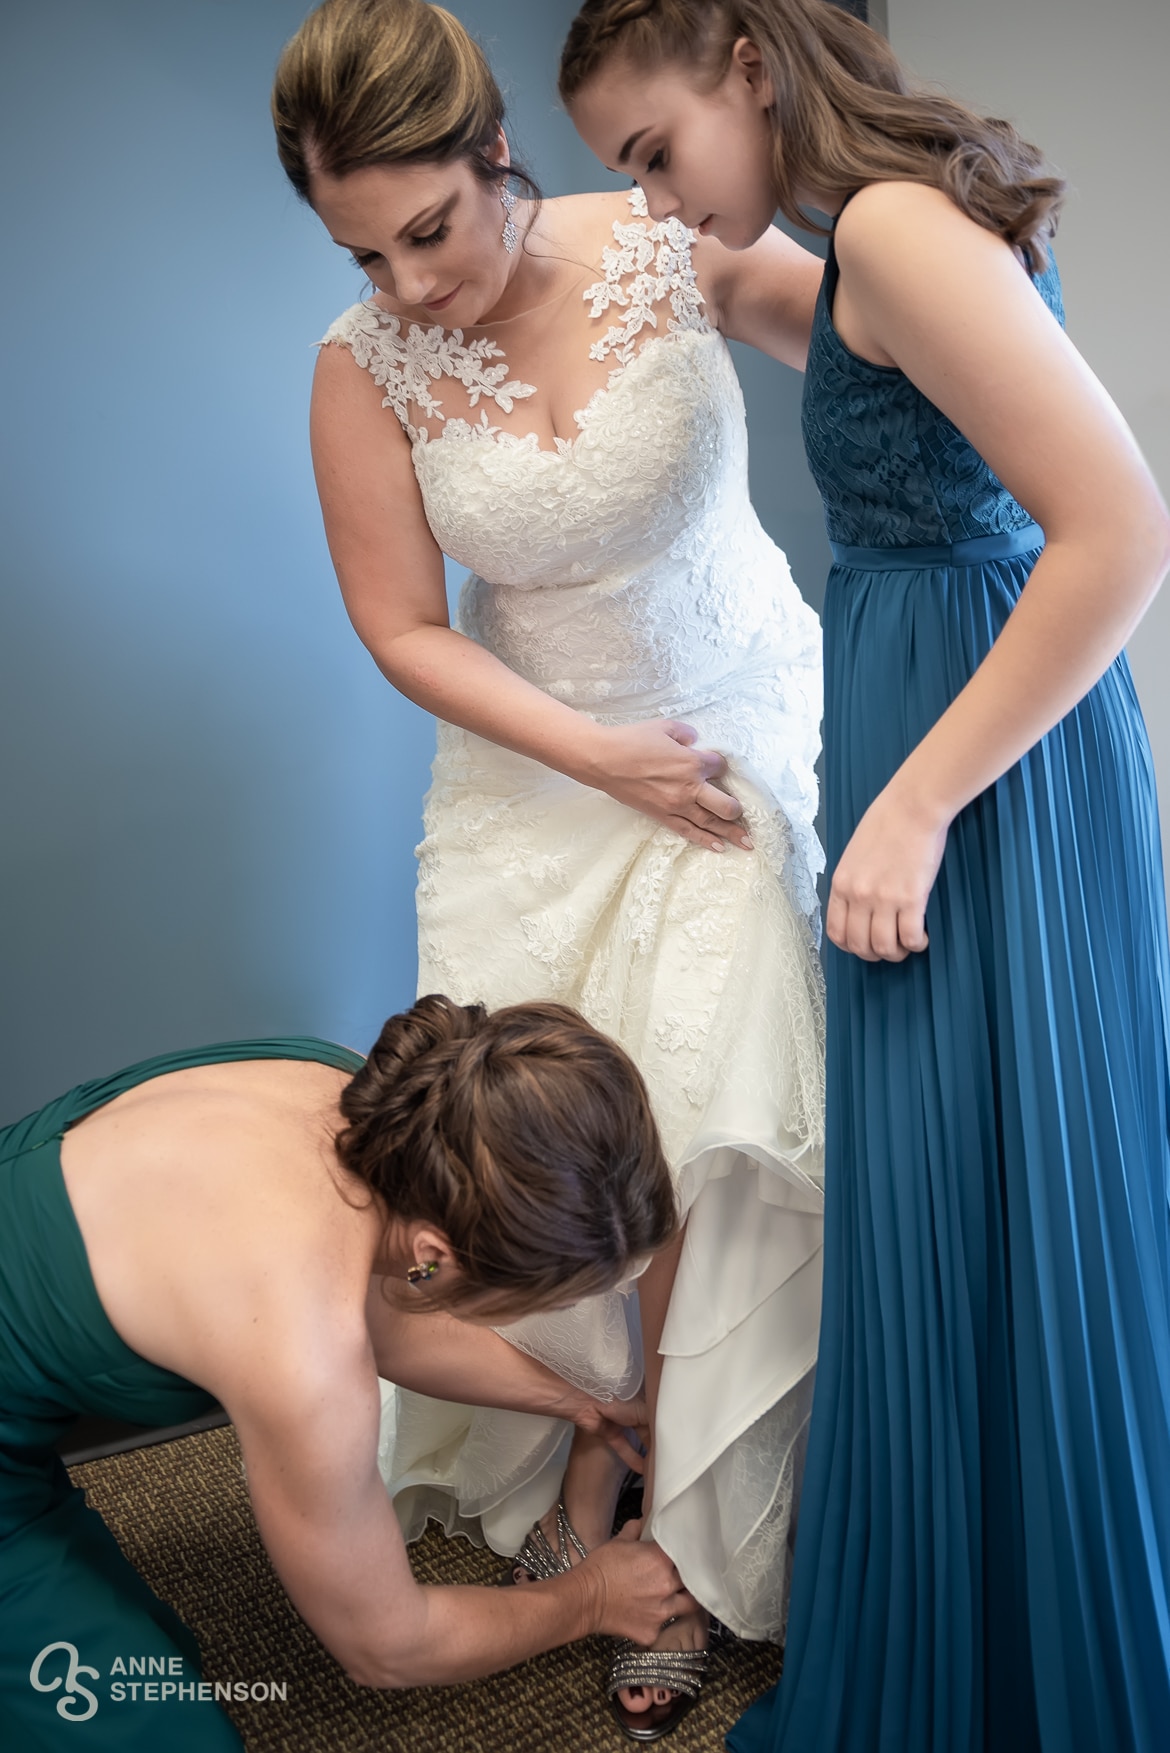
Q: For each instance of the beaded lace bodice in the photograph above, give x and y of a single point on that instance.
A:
(892, 469)
(624, 571)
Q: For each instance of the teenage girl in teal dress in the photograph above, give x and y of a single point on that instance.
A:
(984, 1545)
(240, 1222)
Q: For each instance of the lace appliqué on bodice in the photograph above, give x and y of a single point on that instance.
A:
(406, 364)
(648, 266)
(658, 258)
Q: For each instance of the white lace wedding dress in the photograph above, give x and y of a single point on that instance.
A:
(625, 573)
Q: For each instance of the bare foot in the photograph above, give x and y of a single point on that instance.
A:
(689, 1631)
(593, 1481)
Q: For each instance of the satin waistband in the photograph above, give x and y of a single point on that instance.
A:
(1006, 546)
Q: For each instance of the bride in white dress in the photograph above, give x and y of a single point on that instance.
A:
(544, 393)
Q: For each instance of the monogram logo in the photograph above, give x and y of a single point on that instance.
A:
(67, 1704)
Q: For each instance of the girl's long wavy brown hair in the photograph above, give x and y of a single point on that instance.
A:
(525, 1136)
(845, 113)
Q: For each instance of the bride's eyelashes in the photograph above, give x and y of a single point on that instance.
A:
(657, 162)
(439, 235)
(363, 259)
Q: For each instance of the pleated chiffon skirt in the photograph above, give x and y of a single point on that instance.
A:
(983, 1555)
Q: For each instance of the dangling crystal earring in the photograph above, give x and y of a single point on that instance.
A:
(508, 203)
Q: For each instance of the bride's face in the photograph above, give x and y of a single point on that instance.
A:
(701, 155)
(429, 236)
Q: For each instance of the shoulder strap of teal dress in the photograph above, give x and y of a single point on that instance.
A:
(57, 1116)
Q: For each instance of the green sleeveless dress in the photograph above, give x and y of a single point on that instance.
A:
(70, 1603)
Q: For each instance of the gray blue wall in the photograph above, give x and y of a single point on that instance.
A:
(209, 797)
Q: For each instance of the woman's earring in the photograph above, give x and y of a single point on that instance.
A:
(508, 203)
(419, 1274)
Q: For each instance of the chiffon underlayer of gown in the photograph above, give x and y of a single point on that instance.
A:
(984, 1546)
(625, 573)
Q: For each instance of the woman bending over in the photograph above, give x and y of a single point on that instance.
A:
(276, 1224)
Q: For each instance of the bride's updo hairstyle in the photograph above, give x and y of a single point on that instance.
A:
(845, 112)
(525, 1136)
(369, 82)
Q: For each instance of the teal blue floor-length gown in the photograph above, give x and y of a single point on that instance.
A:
(983, 1558)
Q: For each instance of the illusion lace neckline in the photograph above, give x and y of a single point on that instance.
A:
(499, 322)
(646, 278)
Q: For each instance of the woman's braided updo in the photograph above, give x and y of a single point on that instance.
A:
(524, 1136)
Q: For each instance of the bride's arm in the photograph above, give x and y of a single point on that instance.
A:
(764, 295)
(391, 574)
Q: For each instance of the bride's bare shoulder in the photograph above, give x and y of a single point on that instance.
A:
(602, 205)
(586, 220)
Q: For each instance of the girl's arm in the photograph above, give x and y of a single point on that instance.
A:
(764, 295)
(925, 288)
(391, 575)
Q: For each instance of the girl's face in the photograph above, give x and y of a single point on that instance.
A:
(429, 236)
(703, 156)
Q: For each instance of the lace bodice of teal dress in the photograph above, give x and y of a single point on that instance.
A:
(892, 470)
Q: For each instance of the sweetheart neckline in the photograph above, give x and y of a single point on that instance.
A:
(479, 433)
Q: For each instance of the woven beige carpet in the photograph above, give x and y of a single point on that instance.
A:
(181, 1513)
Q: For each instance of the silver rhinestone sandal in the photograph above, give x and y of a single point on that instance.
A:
(679, 1671)
(540, 1558)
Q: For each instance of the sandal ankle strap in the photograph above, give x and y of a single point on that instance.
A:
(540, 1558)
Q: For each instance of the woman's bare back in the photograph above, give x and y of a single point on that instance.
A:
(206, 1198)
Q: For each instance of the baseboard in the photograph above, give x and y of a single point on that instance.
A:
(85, 1444)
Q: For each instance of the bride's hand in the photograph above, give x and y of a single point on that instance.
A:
(655, 768)
(614, 1421)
